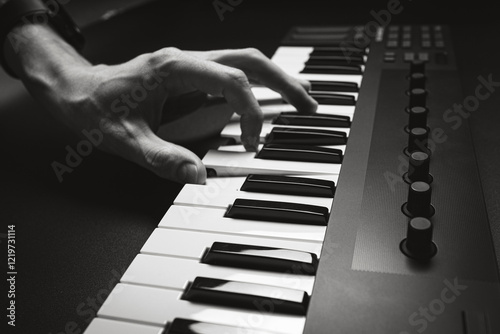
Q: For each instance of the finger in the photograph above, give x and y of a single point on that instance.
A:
(190, 73)
(140, 145)
(261, 69)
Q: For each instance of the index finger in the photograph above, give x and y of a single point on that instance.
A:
(187, 73)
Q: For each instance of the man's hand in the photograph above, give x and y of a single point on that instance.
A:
(126, 101)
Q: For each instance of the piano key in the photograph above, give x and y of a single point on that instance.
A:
(268, 96)
(273, 110)
(319, 38)
(236, 294)
(228, 162)
(221, 197)
(175, 273)
(333, 86)
(233, 130)
(334, 60)
(261, 258)
(334, 99)
(157, 307)
(192, 244)
(318, 119)
(205, 219)
(186, 326)
(323, 29)
(278, 211)
(289, 135)
(326, 77)
(281, 184)
(107, 326)
(235, 183)
(316, 59)
(294, 68)
(300, 153)
(334, 50)
(333, 69)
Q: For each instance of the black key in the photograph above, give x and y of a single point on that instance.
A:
(246, 295)
(283, 135)
(333, 99)
(300, 153)
(281, 212)
(335, 60)
(332, 69)
(333, 86)
(330, 38)
(337, 50)
(323, 29)
(261, 258)
(280, 184)
(187, 326)
(322, 120)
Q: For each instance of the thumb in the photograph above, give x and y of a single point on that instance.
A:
(169, 161)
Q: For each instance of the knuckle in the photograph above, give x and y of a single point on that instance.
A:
(164, 57)
(238, 78)
(254, 53)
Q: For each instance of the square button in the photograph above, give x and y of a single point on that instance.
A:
(423, 56)
(392, 44)
(426, 44)
(409, 56)
(406, 44)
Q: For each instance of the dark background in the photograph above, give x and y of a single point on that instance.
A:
(74, 238)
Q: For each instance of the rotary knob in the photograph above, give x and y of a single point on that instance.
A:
(418, 97)
(417, 66)
(418, 169)
(419, 201)
(418, 244)
(417, 141)
(417, 80)
(418, 117)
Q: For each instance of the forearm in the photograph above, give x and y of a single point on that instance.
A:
(39, 56)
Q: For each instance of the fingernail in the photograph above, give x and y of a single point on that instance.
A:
(188, 173)
(252, 144)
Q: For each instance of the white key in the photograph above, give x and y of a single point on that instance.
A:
(192, 244)
(213, 220)
(233, 130)
(235, 183)
(157, 306)
(108, 326)
(220, 197)
(301, 52)
(272, 110)
(175, 273)
(264, 94)
(328, 77)
(230, 163)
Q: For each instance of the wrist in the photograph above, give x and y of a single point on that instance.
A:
(37, 54)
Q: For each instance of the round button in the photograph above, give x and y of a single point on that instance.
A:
(418, 169)
(417, 66)
(418, 117)
(417, 80)
(417, 141)
(419, 201)
(418, 244)
(418, 97)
